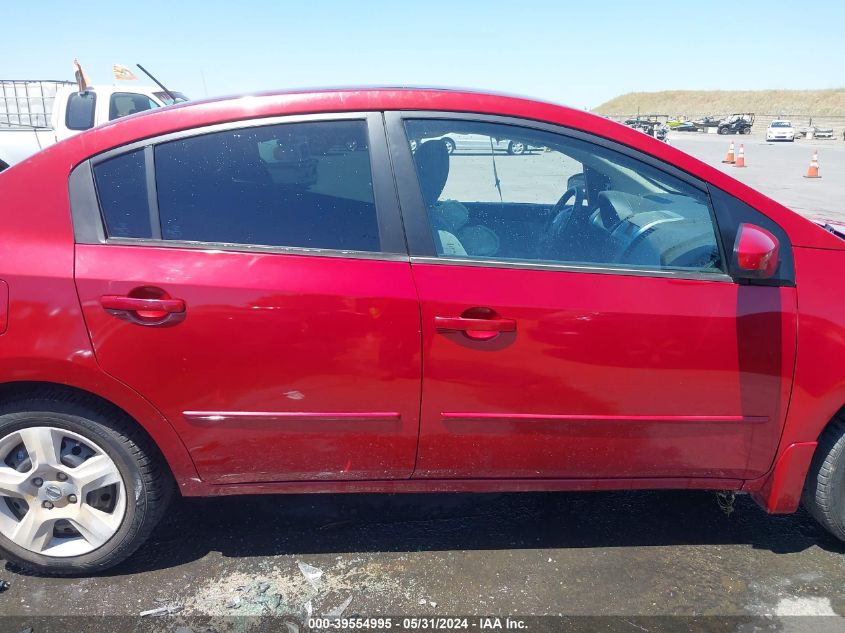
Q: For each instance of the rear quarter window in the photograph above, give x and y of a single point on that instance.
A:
(122, 192)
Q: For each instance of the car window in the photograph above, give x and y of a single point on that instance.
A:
(125, 103)
(503, 192)
(80, 111)
(122, 190)
(294, 184)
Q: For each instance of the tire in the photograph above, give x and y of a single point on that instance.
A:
(516, 149)
(824, 490)
(746, 130)
(141, 490)
(450, 145)
(723, 130)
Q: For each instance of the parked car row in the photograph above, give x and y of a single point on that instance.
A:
(742, 123)
(739, 123)
(649, 126)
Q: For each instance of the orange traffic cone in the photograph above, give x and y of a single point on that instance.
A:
(730, 157)
(813, 169)
(740, 158)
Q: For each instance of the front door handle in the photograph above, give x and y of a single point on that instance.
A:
(477, 324)
(464, 324)
(145, 311)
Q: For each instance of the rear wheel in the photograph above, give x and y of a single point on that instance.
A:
(722, 130)
(80, 487)
(824, 490)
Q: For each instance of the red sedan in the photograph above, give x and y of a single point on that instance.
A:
(308, 292)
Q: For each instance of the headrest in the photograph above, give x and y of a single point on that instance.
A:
(432, 160)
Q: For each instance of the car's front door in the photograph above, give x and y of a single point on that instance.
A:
(252, 282)
(589, 332)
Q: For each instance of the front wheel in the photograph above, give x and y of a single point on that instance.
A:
(722, 130)
(824, 490)
(80, 487)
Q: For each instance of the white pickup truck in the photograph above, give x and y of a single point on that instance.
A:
(35, 114)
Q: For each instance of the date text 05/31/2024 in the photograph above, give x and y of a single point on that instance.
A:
(483, 623)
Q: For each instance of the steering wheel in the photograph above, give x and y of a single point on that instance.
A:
(560, 217)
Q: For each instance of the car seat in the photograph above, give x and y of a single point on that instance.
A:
(449, 218)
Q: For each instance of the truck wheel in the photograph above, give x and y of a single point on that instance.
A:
(723, 130)
(824, 490)
(80, 487)
(746, 130)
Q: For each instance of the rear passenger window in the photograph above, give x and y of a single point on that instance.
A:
(295, 184)
(122, 190)
(510, 193)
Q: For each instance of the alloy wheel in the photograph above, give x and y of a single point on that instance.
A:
(60, 493)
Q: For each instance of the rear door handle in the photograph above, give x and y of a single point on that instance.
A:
(143, 311)
(446, 324)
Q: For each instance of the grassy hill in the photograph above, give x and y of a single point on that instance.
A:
(700, 102)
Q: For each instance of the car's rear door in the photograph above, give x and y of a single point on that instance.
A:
(603, 339)
(251, 280)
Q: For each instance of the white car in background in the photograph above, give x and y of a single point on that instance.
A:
(780, 130)
(478, 143)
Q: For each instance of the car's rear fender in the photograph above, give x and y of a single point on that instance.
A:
(96, 384)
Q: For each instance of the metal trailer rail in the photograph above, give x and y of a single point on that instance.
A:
(28, 103)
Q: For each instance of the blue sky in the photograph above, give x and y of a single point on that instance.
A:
(577, 53)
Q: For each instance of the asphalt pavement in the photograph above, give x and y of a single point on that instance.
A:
(777, 169)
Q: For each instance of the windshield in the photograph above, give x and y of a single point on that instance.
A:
(780, 124)
(167, 100)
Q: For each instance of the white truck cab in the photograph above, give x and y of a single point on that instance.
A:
(35, 114)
